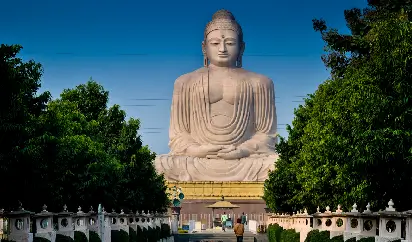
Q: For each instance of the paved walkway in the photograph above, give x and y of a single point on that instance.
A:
(261, 238)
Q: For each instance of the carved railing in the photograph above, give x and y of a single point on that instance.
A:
(384, 225)
(97, 226)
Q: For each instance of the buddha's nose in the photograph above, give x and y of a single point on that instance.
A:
(222, 47)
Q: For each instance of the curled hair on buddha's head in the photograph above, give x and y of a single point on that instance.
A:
(224, 19)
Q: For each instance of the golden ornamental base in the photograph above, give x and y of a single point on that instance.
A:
(215, 190)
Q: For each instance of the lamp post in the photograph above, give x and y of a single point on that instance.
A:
(177, 197)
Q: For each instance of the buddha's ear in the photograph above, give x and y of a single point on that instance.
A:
(204, 47)
(242, 48)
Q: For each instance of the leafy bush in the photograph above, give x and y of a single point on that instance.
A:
(271, 234)
(145, 234)
(132, 235)
(140, 235)
(368, 239)
(274, 233)
(151, 234)
(165, 231)
(119, 236)
(94, 237)
(316, 236)
(80, 237)
(63, 238)
(40, 239)
(351, 240)
(289, 235)
(337, 239)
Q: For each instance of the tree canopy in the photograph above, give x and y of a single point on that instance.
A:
(72, 150)
(351, 140)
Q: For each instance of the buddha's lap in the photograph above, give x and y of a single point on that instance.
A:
(186, 168)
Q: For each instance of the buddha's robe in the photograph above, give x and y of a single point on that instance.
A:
(252, 127)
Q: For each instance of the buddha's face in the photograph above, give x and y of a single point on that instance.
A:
(223, 47)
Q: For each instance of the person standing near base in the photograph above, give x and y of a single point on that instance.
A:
(239, 230)
(223, 220)
(244, 219)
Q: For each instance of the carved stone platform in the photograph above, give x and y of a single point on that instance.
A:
(198, 195)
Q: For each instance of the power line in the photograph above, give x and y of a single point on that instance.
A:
(147, 54)
(152, 128)
(140, 105)
(150, 99)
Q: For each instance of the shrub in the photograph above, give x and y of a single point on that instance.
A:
(274, 233)
(316, 236)
(351, 240)
(140, 235)
(165, 231)
(271, 234)
(337, 239)
(289, 235)
(368, 239)
(94, 237)
(63, 238)
(80, 237)
(132, 235)
(119, 236)
(40, 239)
(145, 234)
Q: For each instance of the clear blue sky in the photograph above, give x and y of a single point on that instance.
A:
(75, 40)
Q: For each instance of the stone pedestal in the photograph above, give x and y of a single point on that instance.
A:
(198, 195)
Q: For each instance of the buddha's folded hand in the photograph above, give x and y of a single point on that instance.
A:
(203, 150)
(238, 153)
(227, 149)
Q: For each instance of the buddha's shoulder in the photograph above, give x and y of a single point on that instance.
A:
(194, 75)
(256, 77)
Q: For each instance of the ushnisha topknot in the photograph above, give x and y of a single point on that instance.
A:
(223, 19)
(223, 14)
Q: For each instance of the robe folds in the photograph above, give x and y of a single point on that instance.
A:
(252, 126)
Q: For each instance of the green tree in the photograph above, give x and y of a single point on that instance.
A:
(351, 140)
(120, 139)
(21, 105)
(94, 155)
(73, 150)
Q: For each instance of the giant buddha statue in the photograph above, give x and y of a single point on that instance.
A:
(223, 117)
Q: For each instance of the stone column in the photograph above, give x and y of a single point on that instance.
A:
(368, 223)
(123, 222)
(20, 225)
(80, 222)
(44, 225)
(390, 223)
(93, 223)
(353, 223)
(338, 223)
(64, 223)
(303, 224)
(132, 224)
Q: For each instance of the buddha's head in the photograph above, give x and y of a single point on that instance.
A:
(223, 41)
